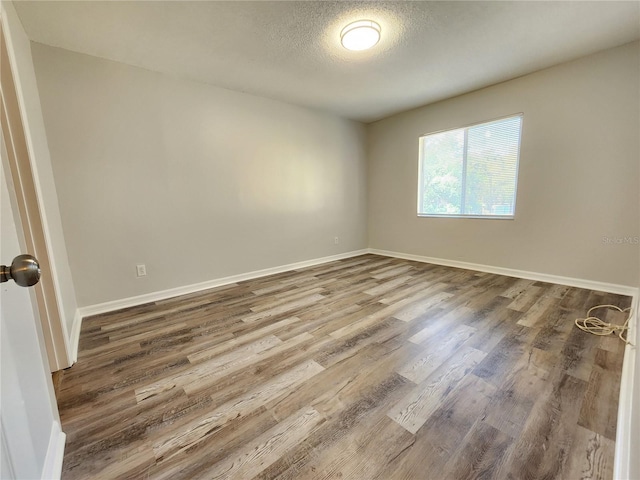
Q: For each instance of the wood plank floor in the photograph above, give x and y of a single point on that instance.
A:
(365, 368)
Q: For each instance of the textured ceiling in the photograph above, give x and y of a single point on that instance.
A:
(291, 51)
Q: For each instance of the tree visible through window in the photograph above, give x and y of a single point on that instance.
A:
(472, 171)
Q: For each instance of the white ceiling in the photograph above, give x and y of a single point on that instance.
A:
(291, 51)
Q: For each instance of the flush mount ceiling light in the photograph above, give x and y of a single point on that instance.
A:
(360, 35)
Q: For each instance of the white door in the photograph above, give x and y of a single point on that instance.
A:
(32, 443)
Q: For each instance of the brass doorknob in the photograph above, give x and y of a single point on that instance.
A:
(24, 270)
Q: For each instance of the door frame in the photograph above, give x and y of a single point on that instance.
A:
(20, 169)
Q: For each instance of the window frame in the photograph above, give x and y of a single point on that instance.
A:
(464, 170)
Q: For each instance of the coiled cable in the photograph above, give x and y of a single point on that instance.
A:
(596, 326)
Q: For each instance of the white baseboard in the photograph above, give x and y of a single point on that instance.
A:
(100, 308)
(509, 272)
(218, 282)
(55, 453)
(75, 335)
(626, 446)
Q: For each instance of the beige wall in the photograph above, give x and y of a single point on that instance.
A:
(28, 96)
(194, 181)
(578, 178)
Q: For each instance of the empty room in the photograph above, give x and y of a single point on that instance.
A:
(320, 240)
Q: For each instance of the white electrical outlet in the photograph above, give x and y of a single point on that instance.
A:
(336, 240)
(141, 270)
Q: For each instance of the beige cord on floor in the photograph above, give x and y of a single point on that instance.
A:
(600, 327)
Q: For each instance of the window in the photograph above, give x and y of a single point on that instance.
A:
(470, 172)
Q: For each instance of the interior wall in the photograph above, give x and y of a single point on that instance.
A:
(19, 47)
(194, 181)
(577, 199)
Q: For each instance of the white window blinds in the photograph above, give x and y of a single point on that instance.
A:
(472, 171)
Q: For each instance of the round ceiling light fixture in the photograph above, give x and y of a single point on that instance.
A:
(360, 35)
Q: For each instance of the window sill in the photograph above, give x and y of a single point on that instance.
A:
(484, 217)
